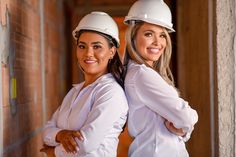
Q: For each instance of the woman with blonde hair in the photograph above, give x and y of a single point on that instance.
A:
(159, 120)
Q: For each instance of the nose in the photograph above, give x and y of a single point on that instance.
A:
(89, 52)
(156, 40)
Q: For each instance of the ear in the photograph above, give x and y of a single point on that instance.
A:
(112, 52)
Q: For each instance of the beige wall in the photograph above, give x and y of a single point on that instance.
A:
(226, 68)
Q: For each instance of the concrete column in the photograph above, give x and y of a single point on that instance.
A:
(4, 53)
(1, 112)
(226, 68)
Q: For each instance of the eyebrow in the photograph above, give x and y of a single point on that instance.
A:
(149, 30)
(93, 43)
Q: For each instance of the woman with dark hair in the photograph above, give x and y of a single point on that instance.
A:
(93, 113)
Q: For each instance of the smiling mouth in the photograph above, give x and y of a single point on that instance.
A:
(89, 61)
(154, 50)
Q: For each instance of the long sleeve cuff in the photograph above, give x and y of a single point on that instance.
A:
(60, 152)
(50, 138)
(186, 137)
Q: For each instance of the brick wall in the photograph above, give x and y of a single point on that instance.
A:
(23, 115)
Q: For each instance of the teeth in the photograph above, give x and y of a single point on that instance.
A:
(154, 50)
(89, 61)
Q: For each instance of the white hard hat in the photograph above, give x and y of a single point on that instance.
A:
(151, 11)
(100, 22)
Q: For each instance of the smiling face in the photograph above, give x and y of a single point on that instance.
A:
(93, 53)
(150, 42)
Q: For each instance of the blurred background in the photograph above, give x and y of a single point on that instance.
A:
(38, 67)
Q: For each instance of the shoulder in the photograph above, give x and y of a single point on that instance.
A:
(109, 92)
(140, 72)
(109, 85)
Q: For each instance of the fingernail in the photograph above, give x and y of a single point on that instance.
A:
(77, 148)
(80, 138)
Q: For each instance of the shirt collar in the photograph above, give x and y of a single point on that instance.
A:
(101, 78)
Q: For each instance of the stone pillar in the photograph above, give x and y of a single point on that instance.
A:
(226, 69)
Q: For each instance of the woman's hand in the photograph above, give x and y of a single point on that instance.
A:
(48, 150)
(174, 130)
(67, 139)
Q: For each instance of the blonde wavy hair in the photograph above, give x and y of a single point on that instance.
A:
(161, 65)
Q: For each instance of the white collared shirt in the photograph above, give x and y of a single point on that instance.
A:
(151, 101)
(99, 111)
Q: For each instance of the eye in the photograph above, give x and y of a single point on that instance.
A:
(80, 46)
(148, 34)
(162, 35)
(97, 46)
